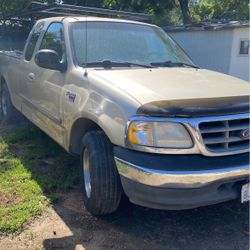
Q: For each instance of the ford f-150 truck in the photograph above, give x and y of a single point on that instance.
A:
(145, 121)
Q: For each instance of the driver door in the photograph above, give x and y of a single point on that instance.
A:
(49, 85)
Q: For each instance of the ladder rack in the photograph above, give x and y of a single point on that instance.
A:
(39, 10)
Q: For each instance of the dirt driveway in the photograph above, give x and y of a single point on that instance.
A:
(68, 226)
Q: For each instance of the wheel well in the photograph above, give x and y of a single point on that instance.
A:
(79, 129)
(2, 81)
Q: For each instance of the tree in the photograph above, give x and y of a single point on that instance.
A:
(159, 9)
(147, 6)
(185, 11)
(163, 11)
(8, 7)
(221, 9)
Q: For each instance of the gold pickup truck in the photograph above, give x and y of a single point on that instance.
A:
(145, 121)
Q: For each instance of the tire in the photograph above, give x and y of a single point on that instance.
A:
(7, 110)
(101, 185)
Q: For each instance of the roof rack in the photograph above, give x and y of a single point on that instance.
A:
(38, 10)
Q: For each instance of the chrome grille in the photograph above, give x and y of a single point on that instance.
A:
(225, 135)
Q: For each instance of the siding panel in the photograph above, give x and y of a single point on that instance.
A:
(208, 49)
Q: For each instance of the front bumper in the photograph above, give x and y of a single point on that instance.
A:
(180, 181)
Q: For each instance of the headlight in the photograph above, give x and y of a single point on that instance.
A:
(159, 134)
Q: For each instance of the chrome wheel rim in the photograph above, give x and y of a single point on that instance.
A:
(4, 103)
(86, 171)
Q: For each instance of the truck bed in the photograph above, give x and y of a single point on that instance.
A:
(14, 54)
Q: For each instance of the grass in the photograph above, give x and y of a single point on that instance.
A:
(33, 170)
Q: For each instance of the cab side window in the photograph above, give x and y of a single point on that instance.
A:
(54, 40)
(33, 40)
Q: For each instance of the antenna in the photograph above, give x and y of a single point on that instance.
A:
(86, 46)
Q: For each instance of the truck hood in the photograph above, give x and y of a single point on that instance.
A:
(150, 85)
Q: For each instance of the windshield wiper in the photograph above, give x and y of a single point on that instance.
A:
(173, 64)
(107, 64)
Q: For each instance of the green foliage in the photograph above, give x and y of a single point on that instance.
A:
(24, 196)
(8, 7)
(171, 17)
(33, 170)
(163, 11)
(220, 9)
(159, 8)
(148, 6)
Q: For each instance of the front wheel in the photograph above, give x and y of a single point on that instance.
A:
(102, 190)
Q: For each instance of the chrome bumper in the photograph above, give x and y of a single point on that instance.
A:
(178, 179)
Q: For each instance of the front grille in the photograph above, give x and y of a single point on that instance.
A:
(225, 135)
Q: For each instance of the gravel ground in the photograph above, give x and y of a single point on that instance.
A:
(68, 226)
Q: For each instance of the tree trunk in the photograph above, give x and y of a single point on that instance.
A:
(185, 11)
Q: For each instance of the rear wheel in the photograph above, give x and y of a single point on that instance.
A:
(101, 184)
(7, 110)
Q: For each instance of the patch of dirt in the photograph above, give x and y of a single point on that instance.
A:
(67, 225)
(9, 199)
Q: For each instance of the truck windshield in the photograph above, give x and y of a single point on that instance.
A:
(120, 42)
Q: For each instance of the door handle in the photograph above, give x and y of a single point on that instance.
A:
(31, 77)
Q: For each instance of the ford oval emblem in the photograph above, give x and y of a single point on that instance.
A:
(245, 133)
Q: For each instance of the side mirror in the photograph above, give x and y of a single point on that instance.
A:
(49, 59)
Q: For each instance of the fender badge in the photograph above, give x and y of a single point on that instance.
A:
(71, 96)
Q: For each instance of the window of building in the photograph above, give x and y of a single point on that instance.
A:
(244, 47)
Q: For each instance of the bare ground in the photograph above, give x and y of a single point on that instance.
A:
(68, 226)
(7, 200)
